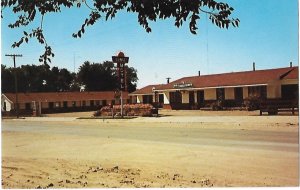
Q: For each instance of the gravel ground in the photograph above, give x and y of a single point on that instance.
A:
(187, 150)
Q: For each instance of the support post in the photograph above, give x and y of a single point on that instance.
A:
(121, 60)
(40, 109)
(121, 103)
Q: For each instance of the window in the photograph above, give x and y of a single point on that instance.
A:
(200, 97)
(238, 94)
(51, 105)
(65, 104)
(97, 102)
(83, 103)
(73, 104)
(257, 91)
(92, 103)
(147, 99)
(161, 98)
(103, 102)
(27, 106)
(175, 97)
(191, 97)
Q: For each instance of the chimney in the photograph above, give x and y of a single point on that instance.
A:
(168, 80)
(199, 73)
(253, 66)
(291, 64)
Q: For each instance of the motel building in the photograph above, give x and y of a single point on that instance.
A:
(227, 89)
(53, 102)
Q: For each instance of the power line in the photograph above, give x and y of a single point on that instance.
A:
(16, 82)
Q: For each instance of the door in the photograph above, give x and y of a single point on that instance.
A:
(161, 100)
(289, 92)
(238, 95)
(191, 99)
(200, 98)
(4, 106)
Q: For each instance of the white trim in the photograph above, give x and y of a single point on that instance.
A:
(7, 98)
(140, 94)
(143, 94)
(188, 89)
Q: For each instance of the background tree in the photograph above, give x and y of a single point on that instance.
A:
(62, 79)
(75, 83)
(32, 78)
(7, 78)
(147, 10)
(102, 77)
(131, 78)
(95, 77)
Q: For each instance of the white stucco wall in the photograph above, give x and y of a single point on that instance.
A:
(229, 93)
(185, 97)
(9, 105)
(166, 97)
(289, 81)
(139, 99)
(274, 89)
(210, 94)
(245, 92)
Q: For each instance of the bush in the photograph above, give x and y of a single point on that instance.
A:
(128, 110)
(252, 103)
(216, 106)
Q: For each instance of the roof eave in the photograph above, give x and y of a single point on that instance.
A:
(203, 88)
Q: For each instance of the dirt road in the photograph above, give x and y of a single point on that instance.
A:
(173, 151)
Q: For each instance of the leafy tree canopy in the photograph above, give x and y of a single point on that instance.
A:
(33, 78)
(147, 10)
(40, 78)
(102, 77)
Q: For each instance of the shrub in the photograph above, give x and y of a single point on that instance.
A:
(252, 103)
(128, 109)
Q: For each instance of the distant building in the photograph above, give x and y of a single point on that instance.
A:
(232, 89)
(51, 102)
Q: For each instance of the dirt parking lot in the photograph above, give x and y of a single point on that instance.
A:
(179, 150)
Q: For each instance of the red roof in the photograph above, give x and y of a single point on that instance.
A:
(235, 78)
(63, 96)
(293, 74)
(227, 79)
(147, 89)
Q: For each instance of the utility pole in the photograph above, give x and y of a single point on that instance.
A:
(16, 82)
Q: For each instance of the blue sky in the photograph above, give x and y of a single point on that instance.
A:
(267, 35)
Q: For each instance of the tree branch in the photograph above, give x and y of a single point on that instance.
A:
(89, 6)
(42, 20)
(207, 12)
